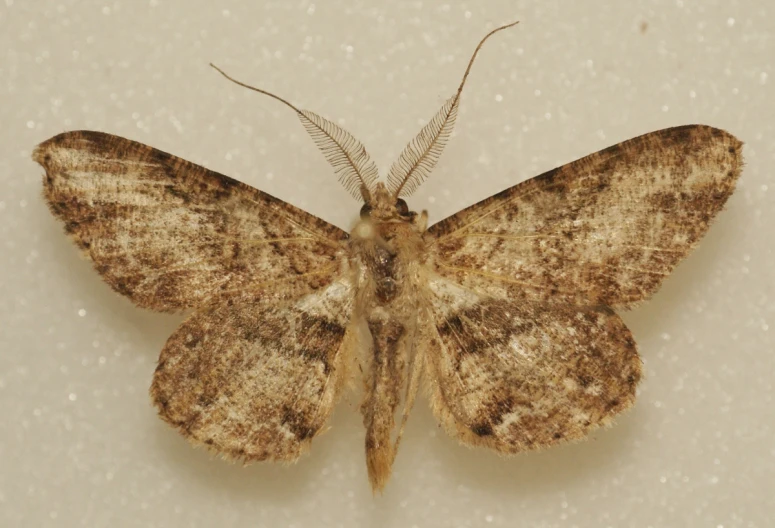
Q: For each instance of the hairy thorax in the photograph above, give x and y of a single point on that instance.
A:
(387, 256)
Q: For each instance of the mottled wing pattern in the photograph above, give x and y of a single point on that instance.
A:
(169, 234)
(255, 377)
(515, 376)
(605, 229)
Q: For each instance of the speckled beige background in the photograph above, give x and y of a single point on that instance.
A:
(79, 442)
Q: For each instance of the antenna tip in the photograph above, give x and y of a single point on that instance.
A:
(506, 26)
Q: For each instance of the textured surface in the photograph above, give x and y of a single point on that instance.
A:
(606, 229)
(519, 376)
(81, 439)
(254, 372)
(170, 234)
(255, 378)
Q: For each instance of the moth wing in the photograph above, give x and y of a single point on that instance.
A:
(167, 233)
(516, 376)
(256, 377)
(605, 229)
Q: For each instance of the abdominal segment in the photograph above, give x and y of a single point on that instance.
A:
(385, 383)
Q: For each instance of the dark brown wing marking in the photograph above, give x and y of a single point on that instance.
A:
(605, 229)
(255, 377)
(167, 233)
(516, 376)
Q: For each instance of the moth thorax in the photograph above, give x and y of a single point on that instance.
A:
(385, 270)
(365, 230)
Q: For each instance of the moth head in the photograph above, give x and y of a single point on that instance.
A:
(383, 206)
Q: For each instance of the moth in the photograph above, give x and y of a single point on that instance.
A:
(504, 312)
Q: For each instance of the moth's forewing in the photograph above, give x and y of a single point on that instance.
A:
(606, 229)
(169, 234)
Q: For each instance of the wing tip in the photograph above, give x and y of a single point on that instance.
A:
(65, 140)
(717, 136)
(41, 154)
(730, 148)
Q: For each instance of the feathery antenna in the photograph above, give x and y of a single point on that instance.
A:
(352, 164)
(476, 51)
(418, 158)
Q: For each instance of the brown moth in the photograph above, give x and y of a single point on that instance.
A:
(504, 312)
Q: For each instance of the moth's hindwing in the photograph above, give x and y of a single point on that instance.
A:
(255, 377)
(516, 376)
(606, 229)
(169, 234)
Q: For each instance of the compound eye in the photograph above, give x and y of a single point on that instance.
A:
(366, 210)
(402, 207)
